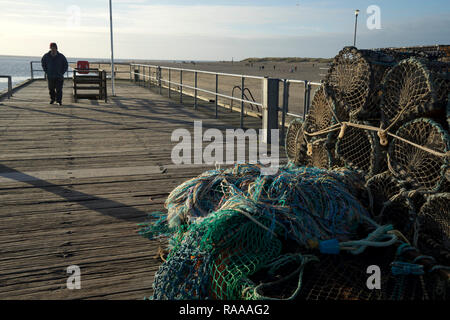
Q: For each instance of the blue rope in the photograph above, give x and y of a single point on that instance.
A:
(404, 268)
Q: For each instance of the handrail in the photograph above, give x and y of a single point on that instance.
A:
(9, 85)
(151, 74)
(198, 71)
(195, 88)
(251, 95)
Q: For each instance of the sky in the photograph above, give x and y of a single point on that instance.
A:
(217, 29)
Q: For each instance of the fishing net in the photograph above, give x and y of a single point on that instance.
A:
(204, 194)
(321, 116)
(381, 188)
(359, 150)
(318, 154)
(434, 227)
(295, 143)
(322, 113)
(391, 204)
(353, 80)
(420, 168)
(259, 228)
(411, 89)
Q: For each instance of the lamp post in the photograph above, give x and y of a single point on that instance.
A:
(356, 24)
(112, 48)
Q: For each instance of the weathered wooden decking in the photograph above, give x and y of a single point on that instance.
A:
(75, 181)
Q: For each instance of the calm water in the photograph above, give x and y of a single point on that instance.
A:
(17, 67)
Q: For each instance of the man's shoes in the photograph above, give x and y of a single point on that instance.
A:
(60, 104)
(52, 101)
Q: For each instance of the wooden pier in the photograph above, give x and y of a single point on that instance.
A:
(76, 180)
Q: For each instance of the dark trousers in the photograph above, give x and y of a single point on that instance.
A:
(55, 86)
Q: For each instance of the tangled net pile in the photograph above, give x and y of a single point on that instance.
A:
(367, 183)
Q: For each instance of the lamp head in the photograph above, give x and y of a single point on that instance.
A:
(356, 12)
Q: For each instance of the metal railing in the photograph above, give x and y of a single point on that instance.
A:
(9, 92)
(149, 75)
(34, 70)
(70, 70)
(146, 72)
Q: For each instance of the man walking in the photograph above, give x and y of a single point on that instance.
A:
(55, 65)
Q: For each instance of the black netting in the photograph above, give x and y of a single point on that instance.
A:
(434, 227)
(295, 143)
(359, 150)
(420, 168)
(411, 89)
(354, 78)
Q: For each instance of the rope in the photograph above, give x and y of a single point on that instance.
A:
(381, 132)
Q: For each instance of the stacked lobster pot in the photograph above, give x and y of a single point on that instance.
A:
(386, 115)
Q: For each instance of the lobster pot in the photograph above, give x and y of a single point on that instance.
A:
(322, 113)
(359, 150)
(448, 112)
(381, 188)
(434, 227)
(413, 88)
(318, 155)
(295, 143)
(420, 168)
(353, 80)
(389, 205)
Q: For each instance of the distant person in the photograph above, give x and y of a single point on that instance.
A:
(55, 65)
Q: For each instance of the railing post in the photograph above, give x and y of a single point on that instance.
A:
(143, 75)
(181, 86)
(195, 90)
(32, 71)
(136, 75)
(286, 85)
(242, 101)
(270, 107)
(170, 79)
(131, 79)
(217, 90)
(305, 98)
(159, 76)
(9, 87)
(309, 98)
(149, 76)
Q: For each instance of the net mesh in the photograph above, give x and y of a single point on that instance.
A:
(295, 143)
(220, 255)
(319, 156)
(322, 112)
(359, 150)
(391, 204)
(348, 79)
(418, 167)
(410, 89)
(354, 78)
(434, 227)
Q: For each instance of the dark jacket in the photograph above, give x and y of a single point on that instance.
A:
(54, 67)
